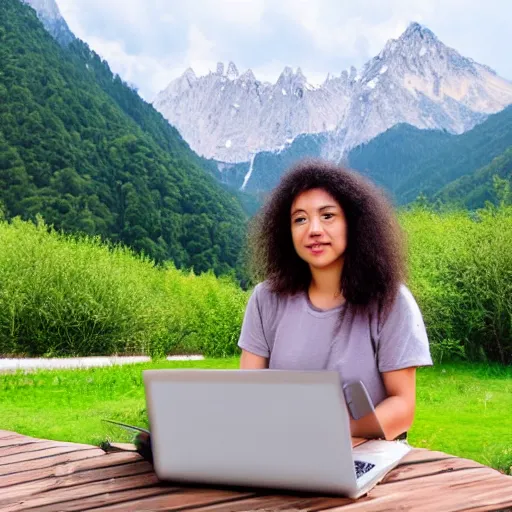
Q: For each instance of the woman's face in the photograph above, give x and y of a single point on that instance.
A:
(319, 229)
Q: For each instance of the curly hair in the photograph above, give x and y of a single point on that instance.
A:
(374, 262)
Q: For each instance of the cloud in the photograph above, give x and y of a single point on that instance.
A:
(150, 42)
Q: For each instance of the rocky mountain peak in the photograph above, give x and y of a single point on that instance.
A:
(352, 74)
(416, 37)
(49, 14)
(290, 80)
(232, 72)
(415, 79)
(248, 76)
(189, 74)
(416, 30)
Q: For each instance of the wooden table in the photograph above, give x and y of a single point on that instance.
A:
(41, 475)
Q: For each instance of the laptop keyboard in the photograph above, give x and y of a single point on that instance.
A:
(362, 467)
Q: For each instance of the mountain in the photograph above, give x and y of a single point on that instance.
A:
(49, 14)
(473, 190)
(404, 160)
(419, 81)
(83, 150)
(263, 171)
(415, 79)
(230, 117)
(409, 162)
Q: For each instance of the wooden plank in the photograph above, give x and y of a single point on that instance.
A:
(428, 468)
(44, 485)
(417, 463)
(475, 489)
(48, 452)
(8, 434)
(178, 500)
(449, 492)
(264, 503)
(17, 441)
(424, 480)
(35, 447)
(69, 467)
(79, 492)
(389, 499)
(420, 455)
(287, 502)
(23, 466)
(93, 502)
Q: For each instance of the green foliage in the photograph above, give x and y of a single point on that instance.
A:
(408, 161)
(63, 295)
(84, 151)
(461, 275)
(490, 183)
(269, 166)
(204, 314)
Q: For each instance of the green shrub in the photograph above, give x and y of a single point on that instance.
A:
(203, 314)
(461, 275)
(72, 296)
(63, 295)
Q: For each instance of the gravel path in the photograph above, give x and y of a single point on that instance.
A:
(80, 362)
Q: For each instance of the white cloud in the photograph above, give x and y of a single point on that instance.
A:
(150, 42)
(246, 12)
(201, 51)
(131, 68)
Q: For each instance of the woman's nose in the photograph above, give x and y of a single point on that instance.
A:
(315, 226)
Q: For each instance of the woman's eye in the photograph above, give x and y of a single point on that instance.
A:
(299, 220)
(328, 215)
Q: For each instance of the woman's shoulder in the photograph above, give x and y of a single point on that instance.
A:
(267, 298)
(264, 293)
(404, 308)
(404, 299)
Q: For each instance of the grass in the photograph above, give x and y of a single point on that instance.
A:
(463, 409)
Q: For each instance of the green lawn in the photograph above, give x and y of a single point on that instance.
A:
(463, 409)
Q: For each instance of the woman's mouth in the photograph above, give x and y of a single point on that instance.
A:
(316, 248)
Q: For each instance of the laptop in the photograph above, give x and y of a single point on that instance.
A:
(278, 429)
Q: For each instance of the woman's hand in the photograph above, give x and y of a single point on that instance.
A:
(395, 414)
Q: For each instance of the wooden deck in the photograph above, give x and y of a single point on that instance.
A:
(41, 475)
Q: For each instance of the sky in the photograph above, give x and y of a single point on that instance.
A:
(151, 42)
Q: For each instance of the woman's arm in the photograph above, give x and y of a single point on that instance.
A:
(249, 361)
(395, 414)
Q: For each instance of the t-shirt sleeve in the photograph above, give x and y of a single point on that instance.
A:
(403, 341)
(252, 337)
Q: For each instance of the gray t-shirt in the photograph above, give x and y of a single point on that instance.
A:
(295, 335)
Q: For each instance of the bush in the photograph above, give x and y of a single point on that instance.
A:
(63, 295)
(461, 275)
(203, 314)
(74, 296)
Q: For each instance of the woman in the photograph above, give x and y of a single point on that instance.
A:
(329, 248)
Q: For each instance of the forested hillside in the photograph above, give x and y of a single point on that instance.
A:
(409, 162)
(81, 148)
(473, 190)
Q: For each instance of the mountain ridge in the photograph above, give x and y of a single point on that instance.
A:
(415, 79)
